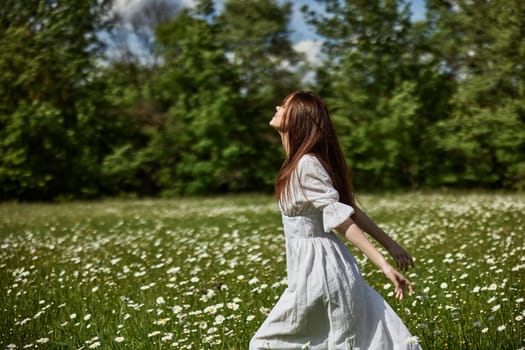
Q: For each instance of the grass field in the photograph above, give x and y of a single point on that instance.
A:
(202, 273)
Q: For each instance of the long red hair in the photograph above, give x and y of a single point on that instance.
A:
(307, 129)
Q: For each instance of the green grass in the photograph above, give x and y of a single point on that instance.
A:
(202, 273)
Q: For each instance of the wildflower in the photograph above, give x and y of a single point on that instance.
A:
(173, 270)
(496, 308)
(250, 317)
(154, 333)
(232, 306)
(210, 309)
(501, 328)
(94, 345)
(162, 321)
(518, 318)
(306, 345)
(87, 317)
(413, 340)
(219, 319)
(160, 300)
(119, 339)
(73, 316)
(443, 285)
(264, 310)
(167, 336)
(484, 330)
(176, 309)
(42, 340)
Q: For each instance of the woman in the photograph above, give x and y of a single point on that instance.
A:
(327, 304)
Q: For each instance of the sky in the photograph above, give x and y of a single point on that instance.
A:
(302, 36)
(301, 31)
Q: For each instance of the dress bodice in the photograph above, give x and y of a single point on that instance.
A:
(313, 206)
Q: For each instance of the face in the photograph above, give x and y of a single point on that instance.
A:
(278, 117)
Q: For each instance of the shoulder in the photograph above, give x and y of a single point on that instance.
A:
(310, 165)
(308, 161)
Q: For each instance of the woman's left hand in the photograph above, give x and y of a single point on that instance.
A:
(400, 282)
(401, 257)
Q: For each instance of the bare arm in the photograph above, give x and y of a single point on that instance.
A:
(401, 257)
(355, 235)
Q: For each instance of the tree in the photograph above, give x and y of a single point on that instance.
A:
(53, 121)
(197, 147)
(255, 36)
(480, 43)
(370, 81)
(134, 62)
(209, 109)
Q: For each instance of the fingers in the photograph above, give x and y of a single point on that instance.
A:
(400, 293)
(400, 284)
(410, 260)
(410, 288)
(403, 262)
(398, 290)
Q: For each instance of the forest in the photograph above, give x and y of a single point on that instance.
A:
(171, 100)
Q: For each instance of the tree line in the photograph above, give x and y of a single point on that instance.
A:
(169, 100)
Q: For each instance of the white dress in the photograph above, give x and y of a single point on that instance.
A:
(327, 304)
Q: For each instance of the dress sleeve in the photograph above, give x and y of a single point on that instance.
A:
(318, 189)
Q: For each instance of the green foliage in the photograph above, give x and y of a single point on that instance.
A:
(486, 129)
(428, 103)
(199, 137)
(133, 272)
(370, 85)
(417, 104)
(49, 113)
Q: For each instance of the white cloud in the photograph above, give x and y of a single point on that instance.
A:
(189, 3)
(126, 7)
(311, 49)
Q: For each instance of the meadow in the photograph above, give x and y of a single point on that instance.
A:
(202, 273)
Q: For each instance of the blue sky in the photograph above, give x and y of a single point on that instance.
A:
(302, 36)
(301, 31)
